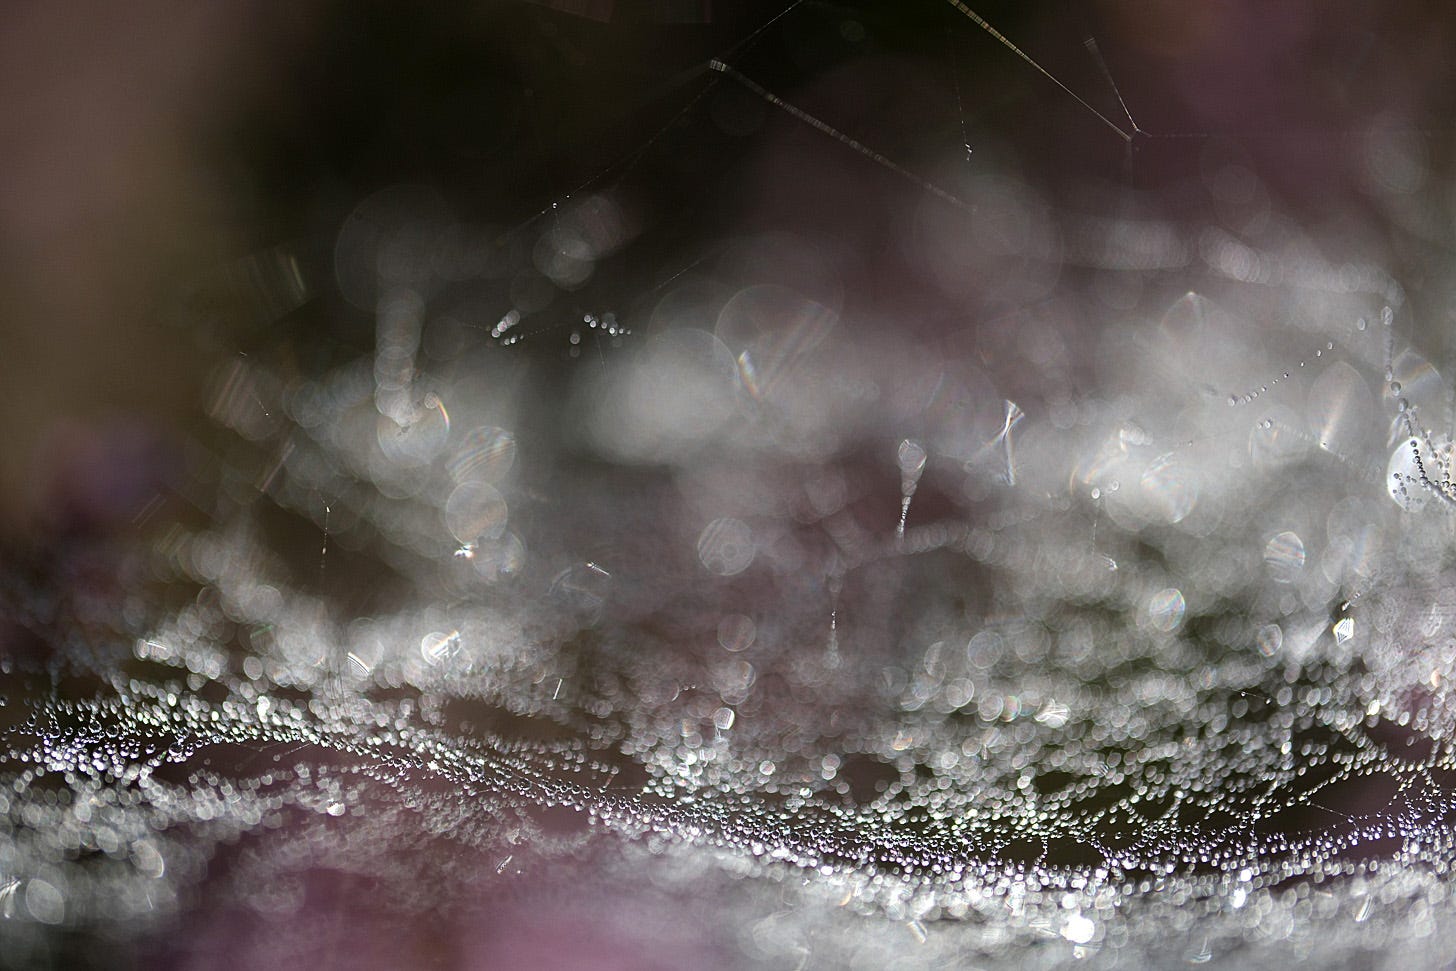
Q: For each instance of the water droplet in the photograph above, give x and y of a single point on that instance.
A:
(1165, 610)
(911, 457)
(736, 632)
(1269, 639)
(501, 559)
(475, 512)
(583, 589)
(484, 454)
(45, 903)
(1078, 929)
(725, 546)
(1284, 557)
(437, 647)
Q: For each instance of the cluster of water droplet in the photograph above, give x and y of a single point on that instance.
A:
(965, 715)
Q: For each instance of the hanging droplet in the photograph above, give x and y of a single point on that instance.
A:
(911, 458)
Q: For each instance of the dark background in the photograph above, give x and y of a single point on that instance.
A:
(151, 149)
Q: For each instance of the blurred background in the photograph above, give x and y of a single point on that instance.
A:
(166, 146)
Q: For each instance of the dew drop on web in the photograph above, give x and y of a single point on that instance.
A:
(614, 627)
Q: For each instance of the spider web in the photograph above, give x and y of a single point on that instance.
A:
(1105, 621)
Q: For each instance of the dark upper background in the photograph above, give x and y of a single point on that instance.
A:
(149, 145)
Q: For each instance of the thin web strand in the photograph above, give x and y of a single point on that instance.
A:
(625, 163)
(832, 132)
(1096, 52)
(1006, 42)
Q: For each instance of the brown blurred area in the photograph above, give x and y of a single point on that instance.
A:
(110, 194)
